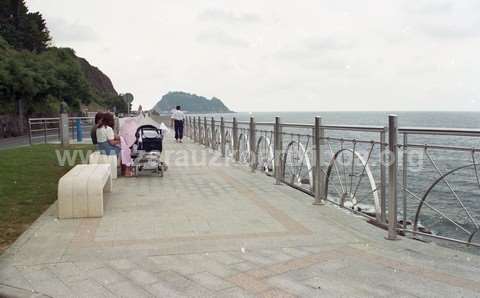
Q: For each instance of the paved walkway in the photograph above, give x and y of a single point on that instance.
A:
(213, 229)
(14, 142)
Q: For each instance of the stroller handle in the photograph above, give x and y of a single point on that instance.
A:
(143, 128)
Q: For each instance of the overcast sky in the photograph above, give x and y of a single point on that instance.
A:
(308, 55)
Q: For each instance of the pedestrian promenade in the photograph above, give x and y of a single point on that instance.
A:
(211, 228)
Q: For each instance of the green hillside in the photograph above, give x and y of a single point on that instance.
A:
(191, 103)
(35, 78)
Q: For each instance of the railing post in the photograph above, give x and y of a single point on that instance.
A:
(236, 151)
(189, 127)
(252, 138)
(318, 174)
(194, 130)
(45, 131)
(383, 177)
(78, 126)
(117, 125)
(277, 150)
(30, 131)
(222, 136)
(73, 128)
(392, 176)
(405, 178)
(205, 132)
(214, 139)
(200, 136)
(64, 129)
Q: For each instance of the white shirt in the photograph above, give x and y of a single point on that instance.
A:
(105, 133)
(178, 115)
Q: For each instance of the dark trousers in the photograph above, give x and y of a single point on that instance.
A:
(178, 129)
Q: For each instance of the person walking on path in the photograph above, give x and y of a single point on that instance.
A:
(178, 119)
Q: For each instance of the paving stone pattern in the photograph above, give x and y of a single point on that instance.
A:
(213, 229)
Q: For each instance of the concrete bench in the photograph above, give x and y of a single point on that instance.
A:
(98, 158)
(80, 191)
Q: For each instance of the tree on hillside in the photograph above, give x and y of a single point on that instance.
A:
(40, 82)
(22, 29)
(128, 98)
(37, 78)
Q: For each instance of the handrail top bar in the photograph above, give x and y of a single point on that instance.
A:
(366, 128)
(42, 119)
(238, 122)
(57, 118)
(440, 147)
(440, 131)
(297, 125)
(265, 123)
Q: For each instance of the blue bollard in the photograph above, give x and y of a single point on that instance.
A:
(78, 125)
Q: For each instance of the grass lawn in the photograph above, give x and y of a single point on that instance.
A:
(28, 186)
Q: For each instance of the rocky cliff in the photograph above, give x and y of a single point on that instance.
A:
(97, 79)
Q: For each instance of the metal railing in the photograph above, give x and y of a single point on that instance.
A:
(43, 130)
(80, 127)
(444, 204)
(48, 130)
(354, 167)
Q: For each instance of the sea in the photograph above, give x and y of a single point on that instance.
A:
(452, 205)
(421, 119)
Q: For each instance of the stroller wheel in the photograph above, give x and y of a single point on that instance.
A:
(160, 171)
(164, 166)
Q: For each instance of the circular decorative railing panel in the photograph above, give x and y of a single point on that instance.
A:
(349, 183)
(218, 140)
(228, 143)
(446, 211)
(208, 137)
(244, 148)
(265, 158)
(297, 168)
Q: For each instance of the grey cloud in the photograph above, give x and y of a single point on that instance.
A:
(321, 43)
(318, 52)
(306, 59)
(429, 6)
(451, 30)
(65, 31)
(444, 18)
(225, 16)
(221, 38)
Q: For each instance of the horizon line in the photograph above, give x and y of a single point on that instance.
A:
(357, 111)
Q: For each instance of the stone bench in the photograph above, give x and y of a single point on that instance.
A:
(80, 191)
(98, 158)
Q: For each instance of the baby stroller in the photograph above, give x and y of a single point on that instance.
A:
(147, 149)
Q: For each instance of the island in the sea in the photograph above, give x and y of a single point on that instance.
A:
(190, 103)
